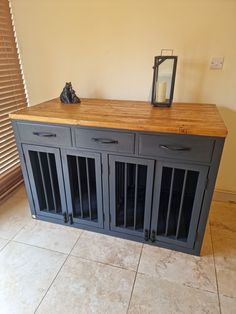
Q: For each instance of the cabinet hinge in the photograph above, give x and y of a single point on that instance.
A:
(153, 236)
(146, 234)
(70, 218)
(65, 218)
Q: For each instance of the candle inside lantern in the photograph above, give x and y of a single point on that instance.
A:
(161, 92)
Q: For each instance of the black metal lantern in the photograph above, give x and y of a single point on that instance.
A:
(163, 80)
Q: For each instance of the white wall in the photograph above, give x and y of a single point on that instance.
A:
(107, 47)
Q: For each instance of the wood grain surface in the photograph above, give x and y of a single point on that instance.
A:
(180, 118)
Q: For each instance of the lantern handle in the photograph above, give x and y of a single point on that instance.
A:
(167, 50)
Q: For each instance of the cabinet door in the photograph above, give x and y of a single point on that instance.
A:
(83, 183)
(131, 182)
(178, 193)
(45, 175)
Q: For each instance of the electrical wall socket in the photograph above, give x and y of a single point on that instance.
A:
(217, 63)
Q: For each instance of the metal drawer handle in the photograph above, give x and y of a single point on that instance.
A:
(104, 140)
(175, 148)
(44, 134)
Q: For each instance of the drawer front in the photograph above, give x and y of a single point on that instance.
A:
(105, 140)
(44, 134)
(178, 147)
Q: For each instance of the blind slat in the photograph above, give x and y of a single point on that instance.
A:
(18, 107)
(12, 98)
(7, 148)
(5, 137)
(6, 100)
(11, 163)
(4, 78)
(5, 129)
(4, 144)
(7, 159)
(5, 124)
(8, 105)
(10, 82)
(8, 65)
(6, 93)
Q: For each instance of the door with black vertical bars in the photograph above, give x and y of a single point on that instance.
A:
(177, 201)
(131, 182)
(45, 175)
(83, 184)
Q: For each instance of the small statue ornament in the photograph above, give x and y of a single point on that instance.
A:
(68, 95)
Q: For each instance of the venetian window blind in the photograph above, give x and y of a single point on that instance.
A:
(12, 98)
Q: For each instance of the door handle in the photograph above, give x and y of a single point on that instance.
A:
(104, 140)
(175, 148)
(44, 134)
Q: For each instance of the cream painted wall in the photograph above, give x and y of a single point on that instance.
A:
(106, 48)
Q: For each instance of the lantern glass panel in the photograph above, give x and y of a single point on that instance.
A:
(164, 79)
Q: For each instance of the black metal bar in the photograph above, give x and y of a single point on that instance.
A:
(181, 204)
(116, 191)
(117, 182)
(120, 183)
(88, 187)
(125, 196)
(121, 180)
(43, 180)
(169, 201)
(52, 184)
(79, 186)
(122, 170)
(135, 195)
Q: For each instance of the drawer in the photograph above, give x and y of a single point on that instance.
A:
(178, 147)
(44, 134)
(105, 140)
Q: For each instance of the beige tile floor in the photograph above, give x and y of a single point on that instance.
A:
(47, 268)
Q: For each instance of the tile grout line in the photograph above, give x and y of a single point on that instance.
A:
(218, 293)
(39, 247)
(136, 273)
(12, 238)
(103, 263)
(8, 241)
(76, 256)
(180, 284)
(73, 255)
(68, 255)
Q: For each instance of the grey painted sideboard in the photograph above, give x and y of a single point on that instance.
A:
(153, 187)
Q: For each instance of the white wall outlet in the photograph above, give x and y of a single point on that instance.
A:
(217, 63)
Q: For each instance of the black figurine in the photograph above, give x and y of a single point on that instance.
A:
(68, 95)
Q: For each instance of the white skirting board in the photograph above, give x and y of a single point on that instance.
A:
(224, 196)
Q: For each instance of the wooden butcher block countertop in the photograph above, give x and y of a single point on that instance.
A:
(180, 118)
